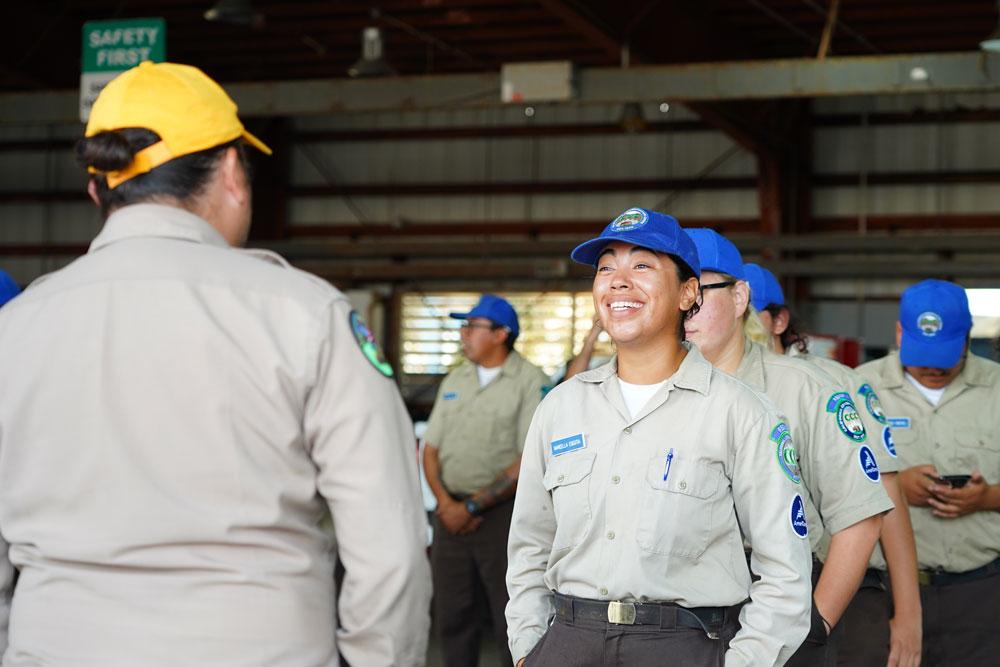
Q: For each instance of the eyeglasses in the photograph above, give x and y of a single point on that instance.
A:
(725, 283)
(466, 324)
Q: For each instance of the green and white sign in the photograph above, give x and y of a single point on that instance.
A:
(111, 47)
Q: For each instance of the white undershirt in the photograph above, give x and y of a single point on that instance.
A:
(933, 396)
(637, 395)
(486, 375)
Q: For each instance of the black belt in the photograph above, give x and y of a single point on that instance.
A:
(942, 578)
(665, 615)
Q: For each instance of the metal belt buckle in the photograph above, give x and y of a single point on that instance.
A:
(924, 578)
(621, 613)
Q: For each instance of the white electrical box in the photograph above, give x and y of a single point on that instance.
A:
(537, 82)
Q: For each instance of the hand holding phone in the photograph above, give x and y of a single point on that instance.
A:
(954, 481)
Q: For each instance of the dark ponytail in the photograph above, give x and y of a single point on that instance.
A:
(182, 179)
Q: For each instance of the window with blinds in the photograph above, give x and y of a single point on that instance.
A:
(554, 326)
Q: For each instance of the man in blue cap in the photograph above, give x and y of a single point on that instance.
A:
(641, 479)
(8, 288)
(943, 405)
(472, 457)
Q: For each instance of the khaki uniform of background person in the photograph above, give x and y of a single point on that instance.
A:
(869, 635)
(472, 458)
(957, 529)
(626, 546)
(841, 488)
(178, 414)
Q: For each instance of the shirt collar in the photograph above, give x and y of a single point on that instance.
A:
(159, 221)
(974, 374)
(694, 373)
(751, 369)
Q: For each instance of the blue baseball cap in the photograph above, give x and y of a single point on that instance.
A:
(935, 318)
(716, 252)
(8, 288)
(496, 309)
(765, 290)
(642, 227)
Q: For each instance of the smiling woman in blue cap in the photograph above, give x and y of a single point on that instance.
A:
(639, 481)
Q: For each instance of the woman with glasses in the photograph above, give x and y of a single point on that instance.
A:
(840, 480)
(639, 481)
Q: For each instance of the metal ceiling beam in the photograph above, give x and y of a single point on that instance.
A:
(856, 75)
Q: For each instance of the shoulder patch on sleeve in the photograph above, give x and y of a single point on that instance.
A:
(873, 404)
(267, 255)
(797, 517)
(848, 420)
(788, 458)
(369, 346)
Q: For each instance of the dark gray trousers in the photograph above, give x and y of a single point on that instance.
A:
(960, 623)
(865, 625)
(469, 570)
(586, 643)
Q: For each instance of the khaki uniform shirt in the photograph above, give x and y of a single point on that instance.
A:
(841, 478)
(176, 414)
(958, 436)
(876, 425)
(479, 431)
(651, 507)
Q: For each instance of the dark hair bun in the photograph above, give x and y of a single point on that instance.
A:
(107, 151)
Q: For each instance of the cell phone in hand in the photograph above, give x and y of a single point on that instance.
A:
(954, 481)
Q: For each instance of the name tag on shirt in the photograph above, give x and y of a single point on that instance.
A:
(570, 444)
(899, 422)
(450, 396)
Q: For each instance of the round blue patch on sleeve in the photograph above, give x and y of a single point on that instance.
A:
(890, 446)
(868, 465)
(797, 517)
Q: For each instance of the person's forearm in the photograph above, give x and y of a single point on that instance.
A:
(432, 471)
(502, 488)
(992, 502)
(900, 552)
(845, 566)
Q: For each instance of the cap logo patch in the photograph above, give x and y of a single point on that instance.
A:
(369, 346)
(848, 420)
(929, 323)
(797, 517)
(890, 446)
(788, 459)
(629, 220)
(868, 465)
(873, 404)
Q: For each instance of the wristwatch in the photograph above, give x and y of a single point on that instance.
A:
(472, 507)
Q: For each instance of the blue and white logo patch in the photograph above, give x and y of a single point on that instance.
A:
(797, 517)
(873, 404)
(848, 420)
(570, 444)
(633, 218)
(890, 446)
(868, 465)
(450, 396)
(929, 323)
(899, 422)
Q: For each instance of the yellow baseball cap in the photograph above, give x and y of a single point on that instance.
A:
(189, 111)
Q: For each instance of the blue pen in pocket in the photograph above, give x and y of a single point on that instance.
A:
(666, 464)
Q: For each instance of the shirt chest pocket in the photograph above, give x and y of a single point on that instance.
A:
(976, 450)
(679, 515)
(567, 480)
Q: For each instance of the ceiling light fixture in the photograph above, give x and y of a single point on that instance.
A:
(372, 61)
(235, 12)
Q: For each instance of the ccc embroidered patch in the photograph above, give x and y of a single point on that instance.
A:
(873, 404)
(368, 344)
(788, 459)
(848, 420)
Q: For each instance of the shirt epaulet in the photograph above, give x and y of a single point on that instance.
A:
(267, 255)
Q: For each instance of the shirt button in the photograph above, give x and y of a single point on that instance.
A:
(561, 478)
(616, 479)
(611, 534)
(683, 485)
(628, 429)
(603, 591)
